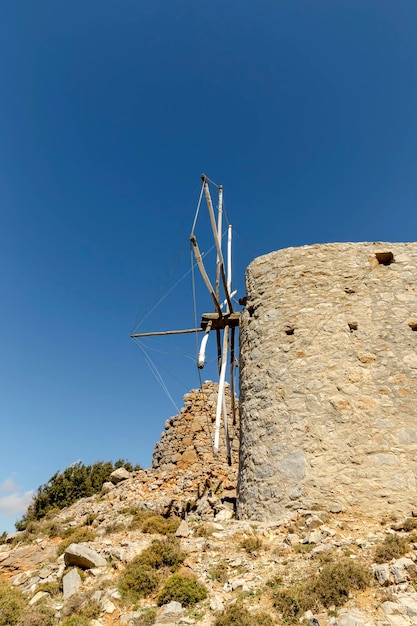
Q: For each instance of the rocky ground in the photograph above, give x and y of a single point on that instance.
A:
(239, 562)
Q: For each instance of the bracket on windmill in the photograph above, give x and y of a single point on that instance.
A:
(220, 322)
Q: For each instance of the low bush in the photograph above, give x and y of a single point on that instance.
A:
(149, 522)
(138, 581)
(251, 544)
(184, 589)
(12, 605)
(239, 615)
(330, 587)
(39, 615)
(53, 588)
(144, 575)
(166, 553)
(76, 620)
(147, 617)
(219, 572)
(204, 530)
(393, 547)
(81, 606)
(75, 535)
(161, 525)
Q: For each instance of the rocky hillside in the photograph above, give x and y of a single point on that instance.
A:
(162, 546)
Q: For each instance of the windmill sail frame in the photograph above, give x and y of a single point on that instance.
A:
(219, 321)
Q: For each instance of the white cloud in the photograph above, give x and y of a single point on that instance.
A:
(16, 503)
(8, 485)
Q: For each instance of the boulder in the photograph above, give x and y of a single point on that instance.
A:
(183, 530)
(170, 613)
(382, 574)
(71, 583)
(118, 475)
(38, 596)
(80, 555)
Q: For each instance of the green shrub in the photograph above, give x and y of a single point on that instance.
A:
(138, 581)
(75, 535)
(76, 620)
(149, 522)
(81, 606)
(161, 525)
(184, 589)
(166, 553)
(331, 587)
(204, 530)
(147, 617)
(53, 588)
(251, 544)
(3, 538)
(64, 488)
(12, 605)
(143, 576)
(337, 580)
(238, 615)
(39, 615)
(219, 572)
(393, 547)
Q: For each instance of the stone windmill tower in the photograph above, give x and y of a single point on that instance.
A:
(328, 380)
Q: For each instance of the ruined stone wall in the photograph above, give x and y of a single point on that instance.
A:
(328, 388)
(188, 436)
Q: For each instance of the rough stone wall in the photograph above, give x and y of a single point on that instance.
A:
(188, 436)
(328, 380)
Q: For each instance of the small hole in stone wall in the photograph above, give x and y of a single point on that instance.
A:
(413, 325)
(289, 330)
(250, 310)
(349, 290)
(384, 258)
(353, 326)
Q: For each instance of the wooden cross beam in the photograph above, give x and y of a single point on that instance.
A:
(220, 322)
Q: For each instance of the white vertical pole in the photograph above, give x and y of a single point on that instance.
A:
(220, 395)
(226, 431)
(229, 258)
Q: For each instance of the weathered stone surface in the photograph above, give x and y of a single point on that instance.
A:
(382, 574)
(38, 596)
(329, 381)
(80, 555)
(27, 557)
(354, 618)
(216, 603)
(171, 612)
(71, 582)
(409, 602)
(187, 438)
(401, 570)
(119, 474)
(183, 530)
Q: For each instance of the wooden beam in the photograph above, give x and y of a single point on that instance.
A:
(218, 323)
(203, 272)
(168, 332)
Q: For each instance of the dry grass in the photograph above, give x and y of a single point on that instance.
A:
(392, 547)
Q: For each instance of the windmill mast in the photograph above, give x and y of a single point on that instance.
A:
(221, 321)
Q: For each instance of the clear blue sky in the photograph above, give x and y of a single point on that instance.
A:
(305, 110)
